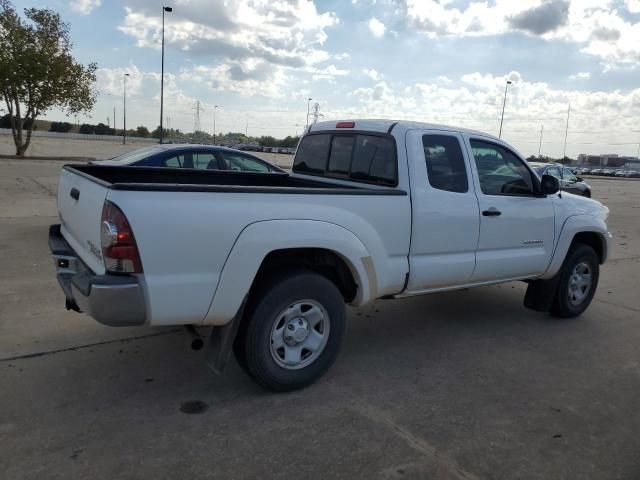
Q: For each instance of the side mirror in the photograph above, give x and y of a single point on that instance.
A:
(579, 179)
(549, 184)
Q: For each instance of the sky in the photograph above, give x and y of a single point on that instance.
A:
(439, 61)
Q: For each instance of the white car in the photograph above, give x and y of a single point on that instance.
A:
(372, 209)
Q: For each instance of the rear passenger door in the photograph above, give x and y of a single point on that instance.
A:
(445, 212)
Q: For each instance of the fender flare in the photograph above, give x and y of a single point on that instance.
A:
(259, 239)
(571, 227)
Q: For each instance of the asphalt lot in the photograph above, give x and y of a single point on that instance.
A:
(462, 385)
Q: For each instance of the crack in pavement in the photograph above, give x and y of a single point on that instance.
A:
(380, 417)
(41, 185)
(88, 345)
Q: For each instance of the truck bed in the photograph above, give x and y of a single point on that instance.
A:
(191, 180)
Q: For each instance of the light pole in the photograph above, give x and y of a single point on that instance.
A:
(214, 124)
(308, 103)
(168, 10)
(124, 111)
(504, 102)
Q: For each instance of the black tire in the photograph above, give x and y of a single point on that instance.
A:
(274, 295)
(562, 306)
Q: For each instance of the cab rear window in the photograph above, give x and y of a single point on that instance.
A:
(356, 157)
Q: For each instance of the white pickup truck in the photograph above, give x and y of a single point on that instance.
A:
(372, 209)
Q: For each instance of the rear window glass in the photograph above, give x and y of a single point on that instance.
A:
(364, 158)
(312, 154)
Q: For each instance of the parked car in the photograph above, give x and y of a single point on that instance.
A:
(631, 173)
(608, 172)
(585, 171)
(568, 181)
(201, 157)
(596, 171)
(372, 209)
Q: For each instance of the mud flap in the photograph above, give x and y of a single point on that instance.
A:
(540, 293)
(221, 342)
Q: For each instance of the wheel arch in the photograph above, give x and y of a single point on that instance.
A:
(585, 229)
(323, 247)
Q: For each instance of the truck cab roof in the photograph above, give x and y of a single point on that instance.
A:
(387, 126)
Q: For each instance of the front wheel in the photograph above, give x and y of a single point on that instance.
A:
(578, 282)
(293, 332)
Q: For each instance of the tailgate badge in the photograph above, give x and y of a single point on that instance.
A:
(94, 250)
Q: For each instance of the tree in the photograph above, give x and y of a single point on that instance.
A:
(102, 129)
(87, 129)
(38, 70)
(142, 131)
(62, 127)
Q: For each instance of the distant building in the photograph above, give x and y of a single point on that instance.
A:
(607, 160)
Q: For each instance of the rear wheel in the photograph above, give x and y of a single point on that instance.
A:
(578, 282)
(292, 334)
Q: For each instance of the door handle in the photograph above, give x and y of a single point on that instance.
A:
(492, 212)
(74, 193)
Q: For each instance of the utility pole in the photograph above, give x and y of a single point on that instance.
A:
(246, 127)
(308, 103)
(124, 114)
(316, 112)
(214, 124)
(114, 120)
(566, 132)
(196, 124)
(504, 103)
(540, 145)
(164, 9)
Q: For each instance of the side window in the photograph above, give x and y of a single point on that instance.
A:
(242, 163)
(176, 161)
(445, 163)
(554, 172)
(569, 176)
(500, 172)
(205, 161)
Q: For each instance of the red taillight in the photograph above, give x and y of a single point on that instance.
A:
(345, 124)
(119, 249)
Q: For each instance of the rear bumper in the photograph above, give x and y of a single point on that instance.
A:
(114, 300)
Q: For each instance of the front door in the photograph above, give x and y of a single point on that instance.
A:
(445, 215)
(516, 223)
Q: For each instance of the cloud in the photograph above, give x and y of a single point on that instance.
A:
(595, 26)
(376, 27)
(542, 19)
(580, 76)
(280, 32)
(476, 101)
(85, 7)
(111, 80)
(248, 78)
(633, 5)
(372, 73)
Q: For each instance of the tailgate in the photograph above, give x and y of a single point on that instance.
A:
(80, 203)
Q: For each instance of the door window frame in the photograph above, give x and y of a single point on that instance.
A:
(534, 177)
(465, 160)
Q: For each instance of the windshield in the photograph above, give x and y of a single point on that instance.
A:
(135, 155)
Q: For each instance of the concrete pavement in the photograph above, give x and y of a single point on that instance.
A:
(461, 385)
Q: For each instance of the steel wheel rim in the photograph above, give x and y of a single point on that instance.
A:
(580, 282)
(299, 334)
